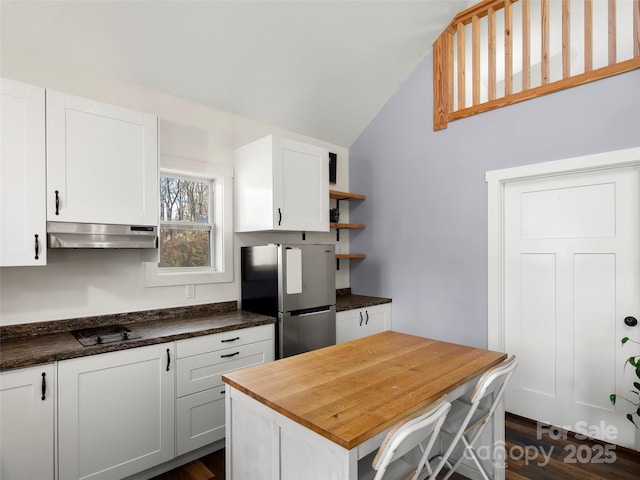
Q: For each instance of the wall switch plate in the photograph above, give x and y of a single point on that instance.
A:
(191, 291)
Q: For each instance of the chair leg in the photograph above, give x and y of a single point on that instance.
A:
(467, 448)
(474, 457)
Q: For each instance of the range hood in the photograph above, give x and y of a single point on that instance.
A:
(93, 235)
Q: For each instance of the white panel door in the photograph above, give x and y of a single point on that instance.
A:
(27, 423)
(23, 238)
(116, 412)
(571, 276)
(102, 161)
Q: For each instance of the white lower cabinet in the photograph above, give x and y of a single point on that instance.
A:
(27, 423)
(116, 412)
(361, 322)
(122, 412)
(200, 411)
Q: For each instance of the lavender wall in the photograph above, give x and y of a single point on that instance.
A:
(426, 206)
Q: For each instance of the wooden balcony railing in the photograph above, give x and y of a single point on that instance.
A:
(500, 52)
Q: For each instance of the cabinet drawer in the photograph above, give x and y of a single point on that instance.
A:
(221, 341)
(201, 372)
(200, 419)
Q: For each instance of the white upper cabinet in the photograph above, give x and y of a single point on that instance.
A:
(23, 239)
(102, 162)
(281, 185)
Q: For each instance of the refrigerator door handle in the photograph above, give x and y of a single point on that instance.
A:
(307, 313)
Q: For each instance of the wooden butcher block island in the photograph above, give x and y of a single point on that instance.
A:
(314, 415)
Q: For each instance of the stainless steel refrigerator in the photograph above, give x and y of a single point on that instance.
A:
(296, 284)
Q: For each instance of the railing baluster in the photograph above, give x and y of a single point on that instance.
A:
(508, 48)
(612, 32)
(462, 84)
(475, 58)
(449, 80)
(526, 49)
(566, 39)
(491, 24)
(588, 36)
(545, 42)
(636, 28)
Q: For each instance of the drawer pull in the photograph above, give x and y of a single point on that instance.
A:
(222, 392)
(230, 355)
(230, 340)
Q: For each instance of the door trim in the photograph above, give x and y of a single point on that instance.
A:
(497, 180)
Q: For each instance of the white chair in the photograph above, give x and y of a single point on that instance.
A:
(468, 418)
(406, 441)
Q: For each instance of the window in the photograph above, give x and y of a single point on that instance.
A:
(186, 223)
(195, 231)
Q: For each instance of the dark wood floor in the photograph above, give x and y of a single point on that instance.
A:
(550, 455)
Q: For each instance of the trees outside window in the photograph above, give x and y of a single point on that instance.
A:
(186, 223)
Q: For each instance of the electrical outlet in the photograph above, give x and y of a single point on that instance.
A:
(191, 291)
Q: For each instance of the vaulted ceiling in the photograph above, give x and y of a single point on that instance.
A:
(319, 68)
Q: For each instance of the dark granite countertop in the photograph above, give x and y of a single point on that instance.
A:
(345, 300)
(30, 344)
(44, 342)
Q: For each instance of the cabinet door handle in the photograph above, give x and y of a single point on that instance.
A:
(230, 340)
(37, 247)
(279, 217)
(57, 203)
(168, 359)
(361, 318)
(367, 314)
(230, 355)
(44, 386)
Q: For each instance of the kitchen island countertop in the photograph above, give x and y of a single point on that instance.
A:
(350, 392)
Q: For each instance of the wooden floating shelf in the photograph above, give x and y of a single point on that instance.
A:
(347, 225)
(336, 195)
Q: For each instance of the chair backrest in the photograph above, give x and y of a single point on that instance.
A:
(494, 381)
(407, 434)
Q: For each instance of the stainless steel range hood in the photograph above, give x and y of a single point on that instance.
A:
(93, 235)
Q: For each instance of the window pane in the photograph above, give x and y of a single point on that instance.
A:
(184, 200)
(184, 247)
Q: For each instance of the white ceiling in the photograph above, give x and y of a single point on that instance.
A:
(319, 68)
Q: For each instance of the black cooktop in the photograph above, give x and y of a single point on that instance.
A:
(103, 335)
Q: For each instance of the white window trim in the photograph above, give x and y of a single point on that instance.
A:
(223, 230)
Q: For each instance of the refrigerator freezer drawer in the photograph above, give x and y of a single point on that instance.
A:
(306, 331)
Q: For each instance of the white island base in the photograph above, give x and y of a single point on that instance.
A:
(262, 444)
